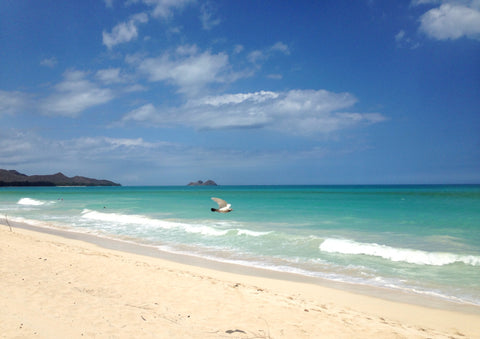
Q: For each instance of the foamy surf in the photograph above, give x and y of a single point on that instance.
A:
(30, 202)
(301, 230)
(411, 256)
(118, 218)
(141, 221)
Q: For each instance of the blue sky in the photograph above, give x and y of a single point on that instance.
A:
(164, 92)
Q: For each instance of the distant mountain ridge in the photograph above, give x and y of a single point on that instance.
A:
(15, 178)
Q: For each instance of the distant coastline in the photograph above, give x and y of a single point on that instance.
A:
(14, 178)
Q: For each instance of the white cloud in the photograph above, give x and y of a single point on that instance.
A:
(194, 71)
(452, 20)
(110, 76)
(74, 95)
(125, 142)
(313, 101)
(292, 112)
(188, 69)
(125, 31)
(144, 113)
(12, 102)
(227, 99)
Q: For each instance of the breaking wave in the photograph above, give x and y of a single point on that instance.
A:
(410, 256)
(151, 223)
(33, 202)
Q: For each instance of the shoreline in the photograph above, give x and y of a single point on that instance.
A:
(132, 247)
(275, 297)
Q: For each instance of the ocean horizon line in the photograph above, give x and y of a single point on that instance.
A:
(298, 185)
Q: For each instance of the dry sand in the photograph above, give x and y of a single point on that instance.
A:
(55, 287)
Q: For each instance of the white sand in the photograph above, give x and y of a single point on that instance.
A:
(55, 287)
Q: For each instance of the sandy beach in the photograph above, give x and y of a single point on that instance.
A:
(58, 287)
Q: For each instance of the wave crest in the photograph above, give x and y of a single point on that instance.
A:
(144, 221)
(410, 256)
(30, 202)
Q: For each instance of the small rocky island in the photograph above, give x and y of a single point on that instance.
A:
(14, 178)
(201, 183)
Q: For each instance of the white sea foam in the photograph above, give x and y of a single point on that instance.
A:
(251, 233)
(204, 230)
(144, 221)
(411, 256)
(285, 264)
(29, 221)
(126, 219)
(30, 202)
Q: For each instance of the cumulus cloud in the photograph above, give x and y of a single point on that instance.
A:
(194, 72)
(452, 20)
(125, 31)
(293, 112)
(188, 69)
(75, 94)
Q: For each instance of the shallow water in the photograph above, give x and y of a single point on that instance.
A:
(420, 239)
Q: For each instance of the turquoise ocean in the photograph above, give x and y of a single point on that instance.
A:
(422, 240)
